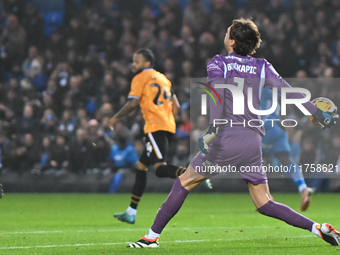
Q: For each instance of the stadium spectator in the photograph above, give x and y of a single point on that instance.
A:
(81, 153)
(8, 154)
(89, 86)
(109, 88)
(13, 40)
(101, 147)
(13, 102)
(182, 153)
(105, 110)
(33, 24)
(58, 157)
(62, 74)
(185, 128)
(33, 64)
(67, 123)
(81, 120)
(15, 7)
(93, 130)
(26, 123)
(44, 154)
(195, 16)
(101, 164)
(124, 157)
(48, 123)
(28, 153)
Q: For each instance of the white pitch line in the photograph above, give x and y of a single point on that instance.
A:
(177, 241)
(59, 246)
(129, 229)
(32, 232)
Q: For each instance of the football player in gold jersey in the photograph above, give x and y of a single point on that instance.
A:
(153, 92)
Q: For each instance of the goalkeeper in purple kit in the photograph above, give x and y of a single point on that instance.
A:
(236, 143)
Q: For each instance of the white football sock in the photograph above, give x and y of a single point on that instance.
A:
(151, 234)
(302, 187)
(131, 211)
(315, 231)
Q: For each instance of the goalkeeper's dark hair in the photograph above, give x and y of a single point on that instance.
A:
(148, 55)
(246, 36)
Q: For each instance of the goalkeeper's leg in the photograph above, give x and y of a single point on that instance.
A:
(298, 179)
(265, 206)
(180, 190)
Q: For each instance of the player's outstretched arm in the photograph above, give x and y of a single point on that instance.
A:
(126, 109)
(325, 118)
(206, 139)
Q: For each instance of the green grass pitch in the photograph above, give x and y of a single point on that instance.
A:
(206, 224)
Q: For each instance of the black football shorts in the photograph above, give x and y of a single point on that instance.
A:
(156, 147)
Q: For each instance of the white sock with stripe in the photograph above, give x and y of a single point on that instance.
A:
(131, 211)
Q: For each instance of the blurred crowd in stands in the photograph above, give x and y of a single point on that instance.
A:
(61, 82)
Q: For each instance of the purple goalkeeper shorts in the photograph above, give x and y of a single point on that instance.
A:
(233, 151)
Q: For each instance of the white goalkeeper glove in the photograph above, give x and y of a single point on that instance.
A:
(326, 119)
(206, 139)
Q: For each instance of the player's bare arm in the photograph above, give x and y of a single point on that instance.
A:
(175, 105)
(130, 105)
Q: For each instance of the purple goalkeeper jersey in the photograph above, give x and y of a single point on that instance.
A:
(244, 72)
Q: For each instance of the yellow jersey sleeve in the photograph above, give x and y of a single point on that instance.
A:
(137, 86)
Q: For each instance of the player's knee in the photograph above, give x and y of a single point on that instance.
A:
(190, 182)
(185, 182)
(140, 166)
